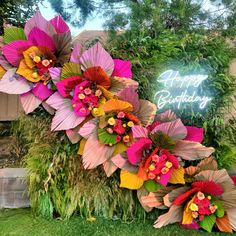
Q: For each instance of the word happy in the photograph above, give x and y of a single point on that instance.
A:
(180, 89)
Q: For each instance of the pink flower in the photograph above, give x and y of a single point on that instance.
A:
(98, 93)
(151, 175)
(155, 158)
(118, 138)
(121, 114)
(87, 91)
(118, 128)
(164, 170)
(110, 130)
(200, 195)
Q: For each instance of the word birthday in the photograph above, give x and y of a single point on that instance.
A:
(180, 89)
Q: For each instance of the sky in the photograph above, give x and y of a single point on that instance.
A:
(94, 23)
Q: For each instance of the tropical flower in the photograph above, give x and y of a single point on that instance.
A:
(153, 159)
(29, 54)
(111, 134)
(209, 202)
(84, 84)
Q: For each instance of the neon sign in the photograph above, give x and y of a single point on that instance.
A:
(180, 89)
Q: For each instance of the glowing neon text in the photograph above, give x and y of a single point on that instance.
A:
(180, 89)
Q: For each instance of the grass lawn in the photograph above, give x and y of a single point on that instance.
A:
(22, 222)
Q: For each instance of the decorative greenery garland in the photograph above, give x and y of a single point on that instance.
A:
(94, 99)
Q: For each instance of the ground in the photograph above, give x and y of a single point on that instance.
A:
(22, 222)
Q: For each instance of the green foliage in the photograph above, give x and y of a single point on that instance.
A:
(16, 12)
(13, 33)
(208, 222)
(58, 184)
(151, 185)
(188, 53)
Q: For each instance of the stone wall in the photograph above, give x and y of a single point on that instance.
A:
(13, 188)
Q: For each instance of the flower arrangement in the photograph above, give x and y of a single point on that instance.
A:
(93, 98)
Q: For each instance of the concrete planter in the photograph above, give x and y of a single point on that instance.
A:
(13, 188)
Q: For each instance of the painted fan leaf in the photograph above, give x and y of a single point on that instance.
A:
(122, 69)
(55, 74)
(130, 180)
(40, 22)
(166, 116)
(153, 199)
(194, 134)
(62, 43)
(76, 53)
(59, 24)
(14, 51)
(208, 222)
(174, 215)
(117, 105)
(177, 176)
(70, 69)
(147, 112)
(123, 164)
(139, 131)
(29, 102)
(56, 101)
(106, 138)
(191, 150)
(130, 95)
(219, 176)
(151, 185)
(40, 38)
(109, 168)
(65, 118)
(73, 135)
(95, 153)
(48, 108)
(13, 33)
(118, 84)
(97, 56)
(12, 83)
(223, 224)
(173, 194)
(231, 213)
(175, 129)
(142, 192)
(41, 91)
(88, 128)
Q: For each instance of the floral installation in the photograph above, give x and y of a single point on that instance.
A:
(27, 56)
(156, 156)
(83, 85)
(93, 98)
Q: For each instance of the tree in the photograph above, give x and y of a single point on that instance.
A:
(16, 12)
(153, 14)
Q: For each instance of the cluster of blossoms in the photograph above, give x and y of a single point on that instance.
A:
(93, 98)
(201, 206)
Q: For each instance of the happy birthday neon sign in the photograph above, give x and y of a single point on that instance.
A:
(180, 89)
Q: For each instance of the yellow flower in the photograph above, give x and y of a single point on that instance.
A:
(126, 139)
(124, 125)
(35, 75)
(168, 164)
(37, 59)
(209, 197)
(130, 123)
(81, 96)
(193, 207)
(151, 167)
(194, 214)
(97, 112)
(111, 121)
